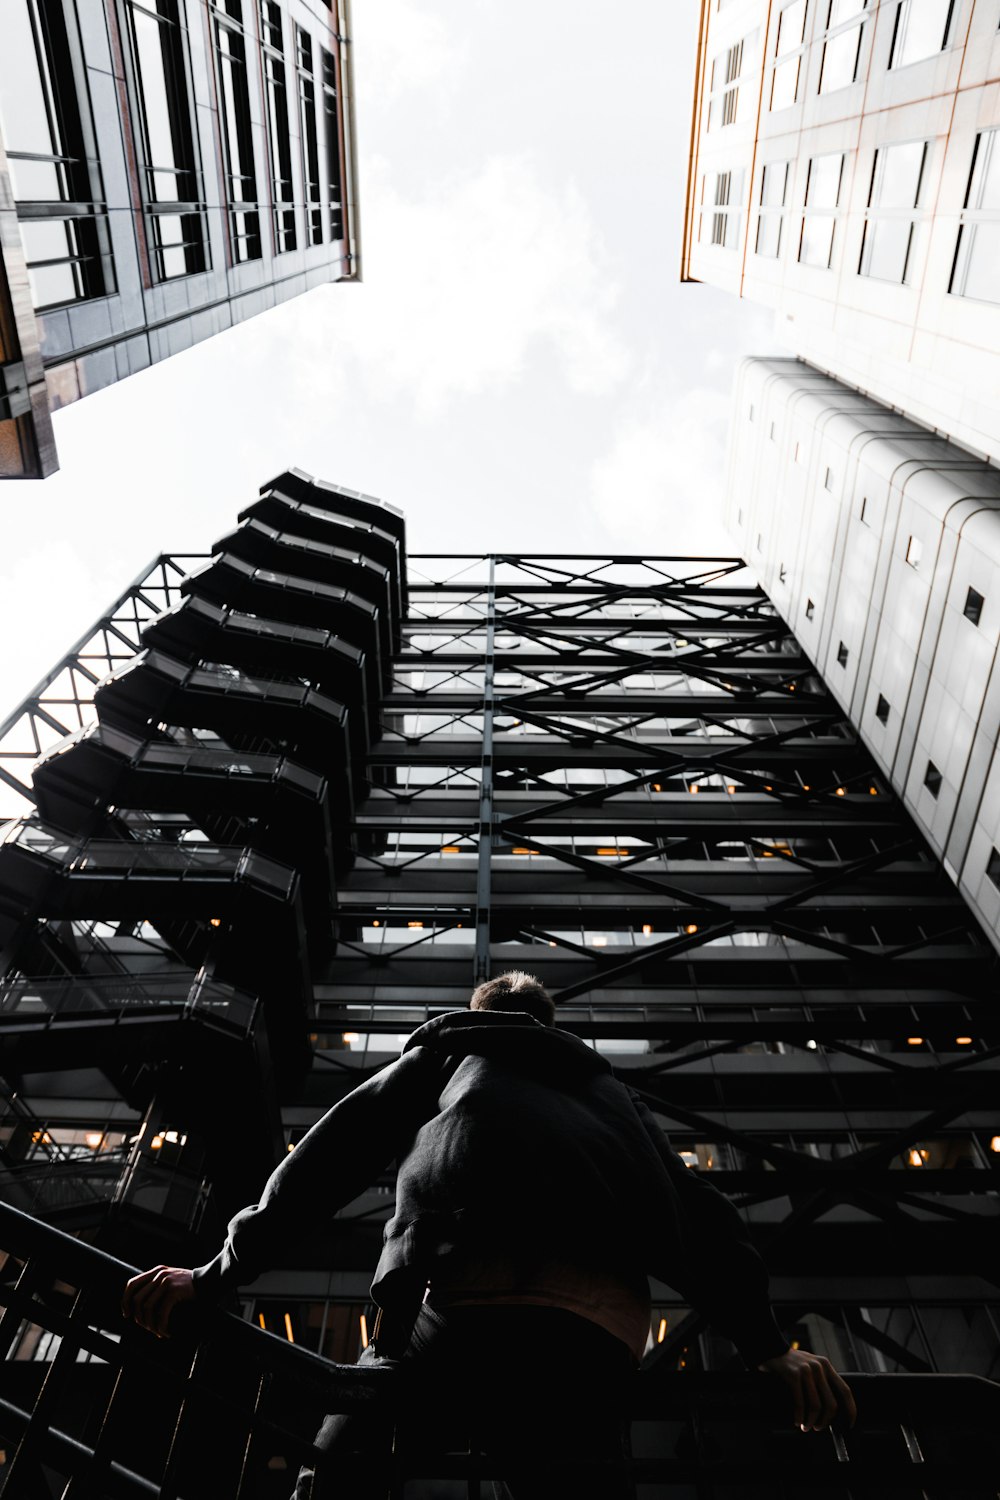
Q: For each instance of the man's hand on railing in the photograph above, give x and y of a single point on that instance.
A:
(150, 1298)
(819, 1394)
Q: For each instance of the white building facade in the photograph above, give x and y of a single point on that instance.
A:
(845, 170)
(879, 542)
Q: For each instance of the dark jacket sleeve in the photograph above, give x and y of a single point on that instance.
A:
(336, 1160)
(720, 1272)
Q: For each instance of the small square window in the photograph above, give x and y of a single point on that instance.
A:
(739, 518)
(842, 655)
(882, 710)
(932, 779)
(993, 868)
(810, 609)
(782, 573)
(828, 480)
(751, 411)
(798, 449)
(774, 431)
(864, 510)
(914, 551)
(760, 542)
(974, 606)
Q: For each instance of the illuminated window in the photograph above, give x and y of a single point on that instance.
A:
(773, 187)
(890, 224)
(820, 211)
(921, 30)
(976, 272)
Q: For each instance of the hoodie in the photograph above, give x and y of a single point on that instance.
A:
(514, 1137)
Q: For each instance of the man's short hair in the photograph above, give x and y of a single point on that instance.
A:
(516, 991)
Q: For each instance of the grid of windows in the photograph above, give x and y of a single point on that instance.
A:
(726, 72)
(890, 224)
(278, 138)
(237, 137)
(172, 186)
(308, 135)
(726, 197)
(819, 219)
(54, 171)
(976, 271)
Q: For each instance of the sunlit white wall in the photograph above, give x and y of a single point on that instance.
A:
(879, 543)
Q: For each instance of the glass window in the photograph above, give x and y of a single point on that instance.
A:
(890, 224)
(172, 189)
(55, 176)
(840, 60)
(278, 136)
(331, 121)
(310, 147)
(237, 138)
(773, 186)
(921, 30)
(822, 200)
(723, 220)
(788, 55)
(976, 271)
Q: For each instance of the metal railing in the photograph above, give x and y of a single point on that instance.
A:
(219, 1408)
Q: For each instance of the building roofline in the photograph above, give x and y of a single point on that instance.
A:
(696, 107)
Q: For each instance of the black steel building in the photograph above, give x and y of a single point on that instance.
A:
(306, 795)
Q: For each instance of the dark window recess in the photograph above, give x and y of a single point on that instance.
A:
(864, 508)
(310, 144)
(810, 609)
(173, 191)
(842, 655)
(932, 779)
(55, 176)
(782, 572)
(331, 121)
(882, 710)
(237, 138)
(973, 606)
(278, 137)
(993, 868)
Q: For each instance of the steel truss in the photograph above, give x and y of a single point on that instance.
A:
(621, 774)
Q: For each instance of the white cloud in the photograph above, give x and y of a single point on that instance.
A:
(659, 486)
(465, 282)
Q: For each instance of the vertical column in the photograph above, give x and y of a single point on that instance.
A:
(485, 845)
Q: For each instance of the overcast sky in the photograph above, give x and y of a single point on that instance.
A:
(520, 368)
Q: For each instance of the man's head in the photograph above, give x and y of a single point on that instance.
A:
(516, 991)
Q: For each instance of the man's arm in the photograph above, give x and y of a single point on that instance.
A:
(726, 1279)
(335, 1161)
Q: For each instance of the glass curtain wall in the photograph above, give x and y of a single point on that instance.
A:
(310, 144)
(237, 133)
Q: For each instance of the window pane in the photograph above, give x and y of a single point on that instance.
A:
(772, 187)
(816, 246)
(843, 10)
(896, 177)
(984, 186)
(823, 188)
(22, 97)
(920, 30)
(886, 249)
(769, 235)
(785, 84)
(791, 26)
(840, 60)
(977, 268)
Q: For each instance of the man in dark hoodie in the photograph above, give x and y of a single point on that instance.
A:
(534, 1195)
